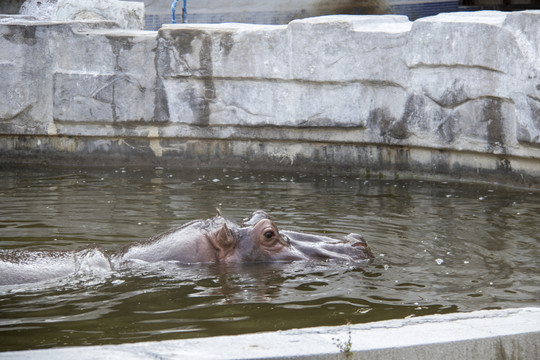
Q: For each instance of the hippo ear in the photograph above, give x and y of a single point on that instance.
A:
(225, 239)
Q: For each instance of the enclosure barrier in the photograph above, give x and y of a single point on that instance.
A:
(495, 334)
(370, 96)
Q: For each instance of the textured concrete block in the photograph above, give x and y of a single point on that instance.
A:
(481, 67)
(25, 62)
(102, 98)
(15, 94)
(528, 130)
(475, 39)
(228, 50)
(279, 103)
(525, 27)
(82, 97)
(119, 62)
(346, 48)
(39, 9)
(81, 50)
(128, 14)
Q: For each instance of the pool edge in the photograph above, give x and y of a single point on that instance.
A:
(493, 334)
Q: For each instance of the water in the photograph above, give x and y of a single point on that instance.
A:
(440, 247)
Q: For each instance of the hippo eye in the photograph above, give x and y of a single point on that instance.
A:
(269, 234)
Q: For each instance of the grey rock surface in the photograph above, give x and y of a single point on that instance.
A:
(128, 14)
(39, 9)
(453, 93)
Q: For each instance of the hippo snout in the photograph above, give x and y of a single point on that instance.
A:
(356, 240)
(352, 247)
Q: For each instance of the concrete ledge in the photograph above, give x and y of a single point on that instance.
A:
(494, 334)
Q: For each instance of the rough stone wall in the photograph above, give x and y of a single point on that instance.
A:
(128, 14)
(451, 94)
(464, 81)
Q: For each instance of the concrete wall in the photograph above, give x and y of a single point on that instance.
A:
(495, 334)
(456, 95)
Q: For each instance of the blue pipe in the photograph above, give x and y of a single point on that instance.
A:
(184, 12)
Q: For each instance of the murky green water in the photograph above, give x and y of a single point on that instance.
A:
(441, 247)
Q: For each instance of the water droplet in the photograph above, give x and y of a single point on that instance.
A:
(439, 261)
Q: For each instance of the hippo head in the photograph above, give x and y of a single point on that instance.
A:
(258, 239)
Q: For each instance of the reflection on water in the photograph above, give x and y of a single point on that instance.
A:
(440, 247)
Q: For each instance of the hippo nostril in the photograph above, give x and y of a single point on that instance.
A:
(287, 240)
(360, 244)
(357, 239)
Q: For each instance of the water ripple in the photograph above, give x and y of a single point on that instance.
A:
(441, 247)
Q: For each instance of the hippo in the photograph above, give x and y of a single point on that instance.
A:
(256, 239)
